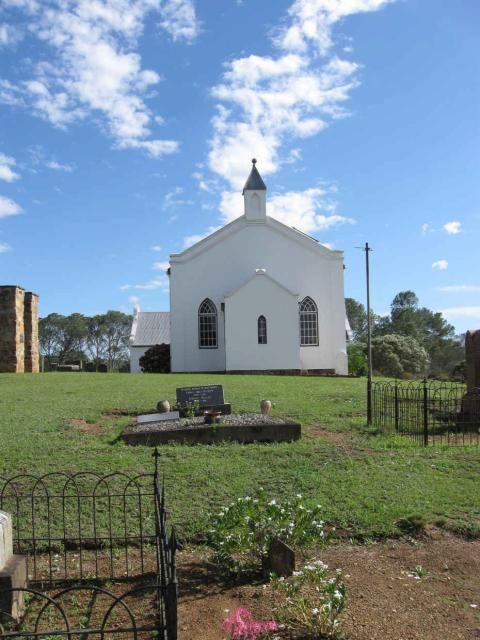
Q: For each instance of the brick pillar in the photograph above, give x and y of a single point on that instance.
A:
(12, 347)
(31, 333)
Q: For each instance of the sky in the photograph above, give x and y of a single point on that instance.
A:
(127, 128)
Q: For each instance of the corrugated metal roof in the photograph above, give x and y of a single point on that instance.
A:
(153, 327)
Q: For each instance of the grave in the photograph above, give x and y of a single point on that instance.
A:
(208, 397)
(281, 558)
(158, 417)
(13, 573)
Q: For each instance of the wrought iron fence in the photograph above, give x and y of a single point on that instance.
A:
(87, 538)
(428, 412)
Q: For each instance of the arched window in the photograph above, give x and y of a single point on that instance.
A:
(207, 325)
(308, 323)
(262, 330)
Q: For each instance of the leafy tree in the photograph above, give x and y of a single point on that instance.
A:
(156, 359)
(397, 356)
(357, 317)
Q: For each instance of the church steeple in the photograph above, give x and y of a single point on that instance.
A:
(254, 194)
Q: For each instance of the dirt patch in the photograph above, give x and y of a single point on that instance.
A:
(397, 590)
(92, 429)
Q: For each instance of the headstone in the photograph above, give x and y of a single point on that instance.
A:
(281, 558)
(158, 417)
(472, 360)
(13, 574)
(208, 397)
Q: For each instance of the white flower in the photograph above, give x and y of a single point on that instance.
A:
(337, 595)
(272, 503)
(282, 579)
(315, 611)
(319, 563)
(299, 496)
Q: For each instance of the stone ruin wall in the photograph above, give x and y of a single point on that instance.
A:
(18, 330)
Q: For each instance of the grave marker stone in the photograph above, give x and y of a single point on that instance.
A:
(158, 417)
(472, 359)
(208, 397)
(281, 558)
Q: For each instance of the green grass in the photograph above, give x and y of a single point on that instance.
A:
(365, 488)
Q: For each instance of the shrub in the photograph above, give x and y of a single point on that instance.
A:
(311, 601)
(240, 534)
(156, 359)
(357, 359)
(395, 355)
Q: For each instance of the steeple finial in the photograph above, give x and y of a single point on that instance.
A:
(254, 180)
(254, 161)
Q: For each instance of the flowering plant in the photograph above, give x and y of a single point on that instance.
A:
(241, 626)
(240, 534)
(312, 600)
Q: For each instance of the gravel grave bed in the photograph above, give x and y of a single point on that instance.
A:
(246, 419)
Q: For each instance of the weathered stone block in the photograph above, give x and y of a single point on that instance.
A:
(281, 558)
(6, 538)
(13, 576)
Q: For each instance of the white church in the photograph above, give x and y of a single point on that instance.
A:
(257, 295)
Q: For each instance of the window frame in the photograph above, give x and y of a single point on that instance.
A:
(308, 319)
(202, 315)
(262, 330)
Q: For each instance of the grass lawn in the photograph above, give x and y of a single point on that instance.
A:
(365, 483)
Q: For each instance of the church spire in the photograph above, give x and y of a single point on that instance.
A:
(254, 181)
(255, 196)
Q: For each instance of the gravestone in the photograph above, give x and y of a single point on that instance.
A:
(471, 400)
(281, 558)
(208, 397)
(158, 417)
(13, 573)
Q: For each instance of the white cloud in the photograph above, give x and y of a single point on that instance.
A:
(159, 282)
(308, 211)
(4, 247)
(440, 264)
(173, 199)
(156, 247)
(9, 207)
(452, 228)
(133, 299)
(162, 265)
(95, 69)
(58, 166)
(462, 312)
(426, 228)
(459, 288)
(6, 171)
(178, 18)
(9, 35)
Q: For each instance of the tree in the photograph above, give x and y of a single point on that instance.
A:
(117, 333)
(357, 317)
(357, 359)
(397, 356)
(156, 359)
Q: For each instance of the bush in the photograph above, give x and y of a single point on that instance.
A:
(357, 359)
(397, 356)
(311, 601)
(156, 359)
(240, 534)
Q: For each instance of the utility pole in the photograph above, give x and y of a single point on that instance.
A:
(369, 338)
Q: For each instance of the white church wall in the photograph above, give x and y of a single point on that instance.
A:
(214, 269)
(135, 354)
(261, 296)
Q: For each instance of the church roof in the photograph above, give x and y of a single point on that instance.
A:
(152, 327)
(254, 181)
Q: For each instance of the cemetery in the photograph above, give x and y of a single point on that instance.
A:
(83, 507)
(202, 416)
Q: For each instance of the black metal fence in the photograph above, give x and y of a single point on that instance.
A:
(99, 558)
(429, 412)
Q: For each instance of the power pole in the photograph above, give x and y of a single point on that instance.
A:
(369, 338)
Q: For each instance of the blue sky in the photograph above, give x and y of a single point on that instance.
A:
(127, 129)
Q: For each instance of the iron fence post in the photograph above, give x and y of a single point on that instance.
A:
(425, 413)
(396, 407)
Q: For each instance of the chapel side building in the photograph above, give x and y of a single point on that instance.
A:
(257, 295)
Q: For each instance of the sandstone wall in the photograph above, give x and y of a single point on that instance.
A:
(31, 333)
(18, 330)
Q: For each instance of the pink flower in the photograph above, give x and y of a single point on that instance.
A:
(241, 626)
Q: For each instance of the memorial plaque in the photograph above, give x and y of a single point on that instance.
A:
(158, 417)
(281, 558)
(207, 396)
